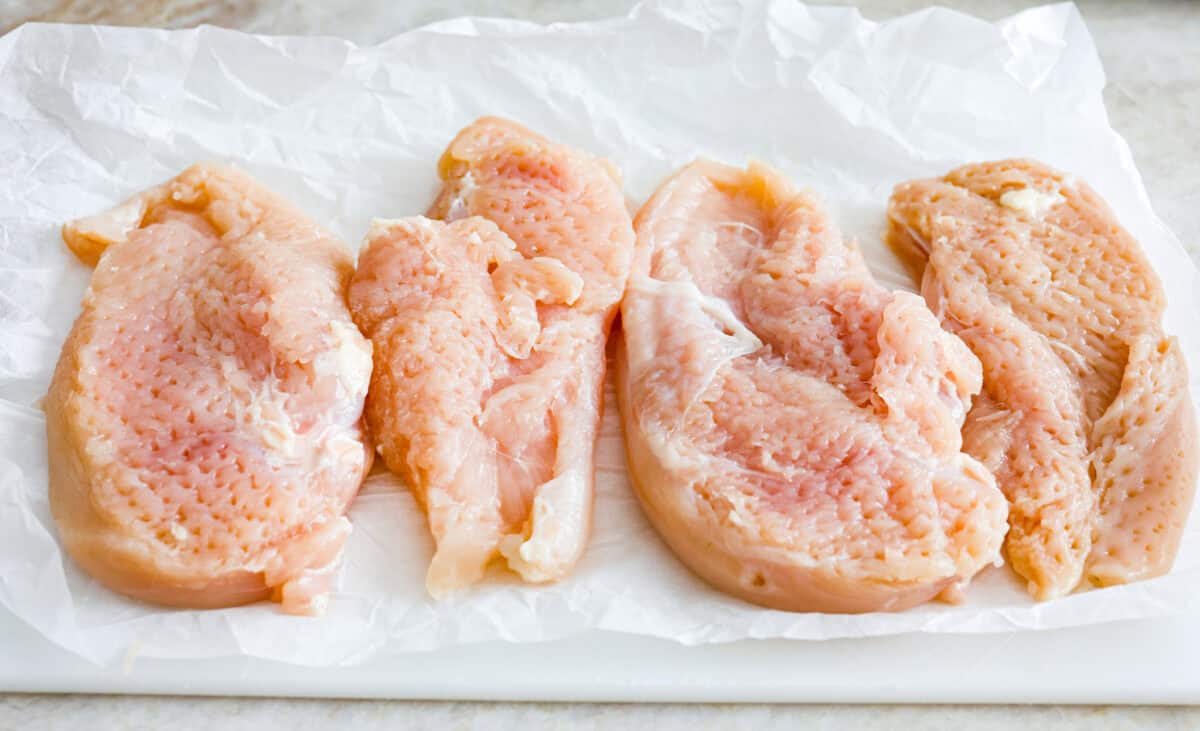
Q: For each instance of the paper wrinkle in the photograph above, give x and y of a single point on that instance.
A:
(848, 107)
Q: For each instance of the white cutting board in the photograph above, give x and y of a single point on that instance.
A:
(1154, 661)
(1145, 661)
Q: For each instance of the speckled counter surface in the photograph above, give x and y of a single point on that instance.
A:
(1151, 52)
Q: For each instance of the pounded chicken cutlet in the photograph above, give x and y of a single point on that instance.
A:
(1085, 416)
(793, 428)
(489, 329)
(205, 418)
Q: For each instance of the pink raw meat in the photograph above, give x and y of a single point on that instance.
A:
(1085, 416)
(205, 419)
(792, 426)
(489, 330)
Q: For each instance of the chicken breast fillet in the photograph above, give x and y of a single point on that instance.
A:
(205, 418)
(489, 329)
(793, 428)
(1085, 416)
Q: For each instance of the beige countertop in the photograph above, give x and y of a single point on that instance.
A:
(1151, 52)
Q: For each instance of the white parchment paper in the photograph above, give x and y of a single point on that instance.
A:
(846, 106)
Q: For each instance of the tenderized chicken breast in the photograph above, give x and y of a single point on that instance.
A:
(1085, 416)
(489, 330)
(205, 418)
(793, 428)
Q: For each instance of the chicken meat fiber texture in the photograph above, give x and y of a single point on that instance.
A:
(800, 436)
(205, 417)
(1085, 416)
(489, 320)
(792, 427)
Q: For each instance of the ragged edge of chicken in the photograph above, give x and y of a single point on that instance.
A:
(489, 321)
(204, 421)
(1085, 415)
(793, 428)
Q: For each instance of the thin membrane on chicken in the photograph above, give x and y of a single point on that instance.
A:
(205, 418)
(793, 428)
(1085, 416)
(489, 329)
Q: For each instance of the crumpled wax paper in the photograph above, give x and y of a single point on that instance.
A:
(843, 105)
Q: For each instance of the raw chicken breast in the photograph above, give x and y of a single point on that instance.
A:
(793, 428)
(489, 331)
(1085, 417)
(205, 419)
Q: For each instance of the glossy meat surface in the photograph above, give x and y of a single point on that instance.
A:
(1085, 417)
(793, 428)
(205, 417)
(489, 328)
